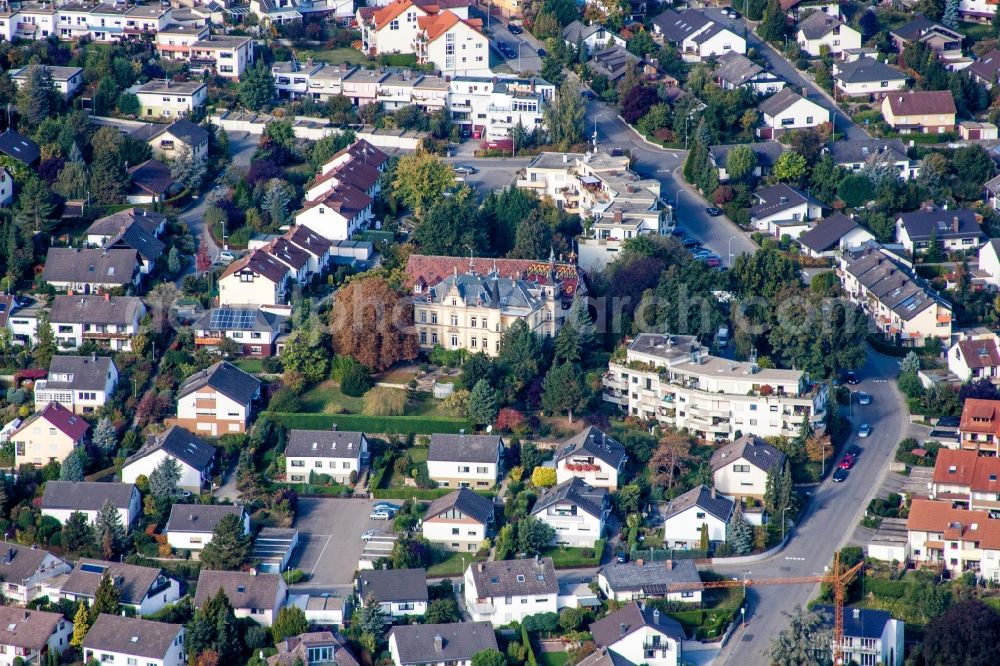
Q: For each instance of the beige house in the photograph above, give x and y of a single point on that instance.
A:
(740, 469)
(459, 521)
(169, 141)
(216, 400)
(170, 99)
(258, 596)
(256, 279)
(959, 540)
(921, 112)
(592, 456)
(49, 436)
(454, 45)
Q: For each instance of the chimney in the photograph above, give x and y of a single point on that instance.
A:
(480, 567)
(438, 643)
(669, 564)
(656, 616)
(618, 217)
(857, 613)
(565, 158)
(69, 292)
(93, 357)
(954, 224)
(713, 491)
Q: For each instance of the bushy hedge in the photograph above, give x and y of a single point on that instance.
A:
(421, 425)
(356, 380)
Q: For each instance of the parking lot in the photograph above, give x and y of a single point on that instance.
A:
(330, 538)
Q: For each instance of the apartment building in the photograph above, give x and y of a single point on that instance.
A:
(338, 454)
(216, 400)
(896, 301)
(967, 480)
(175, 40)
(170, 99)
(81, 384)
(227, 56)
(673, 380)
(959, 540)
(979, 427)
(427, 92)
(105, 320)
(488, 106)
(453, 44)
(403, 26)
(465, 461)
(510, 590)
(696, 36)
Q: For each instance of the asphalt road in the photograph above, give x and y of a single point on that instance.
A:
(524, 44)
(787, 71)
(833, 514)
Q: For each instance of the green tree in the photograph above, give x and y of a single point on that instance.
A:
(739, 534)
(128, 104)
(740, 163)
(482, 407)
(420, 181)
(106, 597)
(108, 178)
(564, 117)
(806, 641)
(371, 618)
(506, 542)
(933, 253)
(257, 86)
(307, 352)
(567, 345)
(72, 180)
(533, 238)
(174, 261)
(765, 273)
(229, 548)
(442, 611)
(704, 542)
(38, 98)
(950, 16)
(105, 438)
(642, 44)
(81, 625)
(451, 227)
(163, 482)
(855, 190)
(790, 167)
(291, 621)
(78, 535)
(35, 208)
(489, 657)
(109, 530)
(562, 390)
(71, 468)
(910, 364)
(533, 536)
(995, 22)
(773, 26)
(187, 170)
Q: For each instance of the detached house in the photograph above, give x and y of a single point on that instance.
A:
(19, 148)
(127, 641)
(787, 110)
(399, 592)
(81, 384)
(868, 78)
(89, 270)
(966, 479)
(27, 572)
(945, 42)
(957, 540)
(61, 499)
(314, 647)
(454, 45)
(685, 515)
(255, 279)
(105, 320)
(989, 259)
(673, 580)
(921, 112)
(594, 36)
(338, 214)
(510, 590)
(576, 511)
(986, 70)
(434, 644)
(833, 233)
(170, 141)
(170, 99)
(952, 230)
(132, 229)
(338, 454)
(465, 461)
(194, 458)
(216, 400)
(67, 80)
(256, 332)
(781, 210)
(461, 520)
(142, 589)
(258, 596)
(870, 636)
(191, 526)
(30, 636)
(697, 36)
(738, 71)
(49, 436)
(979, 427)
(856, 154)
(975, 358)
(592, 456)
(640, 636)
(820, 30)
(766, 152)
(740, 468)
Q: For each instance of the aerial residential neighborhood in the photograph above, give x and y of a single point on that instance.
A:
(498, 333)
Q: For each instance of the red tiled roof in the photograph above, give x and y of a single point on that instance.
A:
(67, 422)
(392, 10)
(439, 24)
(954, 524)
(980, 416)
(308, 240)
(431, 269)
(345, 199)
(954, 466)
(980, 353)
(360, 175)
(921, 103)
(259, 262)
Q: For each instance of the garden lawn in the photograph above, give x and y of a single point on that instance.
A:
(252, 365)
(345, 55)
(575, 558)
(451, 565)
(976, 32)
(418, 454)
(316, 399)
(551, 658)
(396, 377)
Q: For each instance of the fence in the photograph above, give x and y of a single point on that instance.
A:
(664, 554)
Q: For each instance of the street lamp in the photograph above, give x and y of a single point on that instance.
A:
(743, 608)
(677, 203)
(731, 238)
(783, 524)
(519, 45)
(687, 120)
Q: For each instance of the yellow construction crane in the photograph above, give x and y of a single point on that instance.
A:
(839, 578)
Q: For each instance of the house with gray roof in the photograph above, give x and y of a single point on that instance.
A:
(170, 141)
(461, 520)
(781, 210)
(465, 461)
(821, 31)
(117, 639)
(594, 36)
(149, 182)
(257, 333)
(867, 78)
(674, 580)
(191, 526)
(766, 152)
(953, 230)
(61, 499)
(505, 591)
(134, 229)
(143, 589)
(857, 154)
(787, 110)
(737, 71)
(592, 456)
(433, 644)
(697, 36)
(986, 70)
(28, 573)
(81, 384)
(640, 635)
(19, 147)
(400, 592)
(740, 468)
(108, 321)
(90, 270)
(686, 515)
(575, 510)
(831, 234)
(339, 454)
(869, 635)
(258, 596)
(216, 400)
(194, 457)
(32, 635)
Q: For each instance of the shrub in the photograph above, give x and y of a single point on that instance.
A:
(384, 401)
(356, 381)
(543, 477)
(285, 400)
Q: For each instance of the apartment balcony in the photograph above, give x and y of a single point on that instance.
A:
(530, 184)
(483, 608)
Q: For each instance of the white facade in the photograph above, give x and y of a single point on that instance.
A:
(17, 655)
(801, 114)
(638, 648)
(738, 478)
(504, 610)
(489, 106)
(67, 80)
(683, 530)
(191, 479)
(170, 100)
(594, 471)
(22, 592)
(838, 37)
(331, 224)
(461, 49)
(989, 261)
(175, 656)
(450, 474)
(455, 532)
(196, 540)
(6, 188)
(127, 514)
(300, 465)
(76, 400)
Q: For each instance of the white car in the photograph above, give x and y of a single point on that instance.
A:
(367, 536)
(864, 398)
(227, 256)
(382, 514)
(864, 430)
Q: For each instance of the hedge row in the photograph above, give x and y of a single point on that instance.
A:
(420, 425)
(430, 494)
(530, 651)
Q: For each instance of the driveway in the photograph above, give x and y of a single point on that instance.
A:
(524, 45)
(830, 519)
(330, 538)
(492, 173)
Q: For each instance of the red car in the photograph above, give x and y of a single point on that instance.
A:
(847, 462)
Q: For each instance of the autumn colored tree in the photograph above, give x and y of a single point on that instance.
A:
(373, 324)
(673, 452)
(208, 658)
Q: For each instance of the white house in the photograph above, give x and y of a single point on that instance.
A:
(142, 589)
(976, 357)
(194, 458)
(461, 520)
(953, 230)
(740, 468)
(128, 641)
(400, 592)
(191, 526)
(781, 210)
(27, 572)
(255, 331)
(62, 499)
(81, 384)
(338, 214)
(90, 270)
(255, 279)
(67, 80)
(834, 233)
(989, 261)
(6, 187)
(108, 321)
(465, 461)
(857, 154)
(576, 511)
(819, 30)
(673, 580)
(870, 636)
(216, 400)
(787, 110)
(440, 644)
(258, 596)
(592, 456)
(738, 71)
(640, 636)
(868, 78)
(594, 36)
(30, 636)
(685, 515)
(170, 99)
(452, 44)
(510, 590)
(697, 36)
(337, 454)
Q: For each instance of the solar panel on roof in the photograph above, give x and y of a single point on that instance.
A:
(93, 568)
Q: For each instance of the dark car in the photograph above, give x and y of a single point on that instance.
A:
(690, 243)
(621, 558)
(851, 378)
(713, 211)
(586, 94)
(854, 451)
(678, 231)
(839, 475)
(515, 29)
(23, 301)
(542, 53)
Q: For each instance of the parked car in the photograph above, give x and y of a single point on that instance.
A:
(388, 506)
(713, 262)
(227, 256)
(690, 243)
(839, 475)
(851, 378)
(586, 94)
(367, 536)
(621, 558)
(864, 430)
(847, 462)
(465, 170)
(678, 231)
(864, 398)
(713, 211)
(854, 450)
(542, 53)
(23, 301)
(382, 514)
(514, 28)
